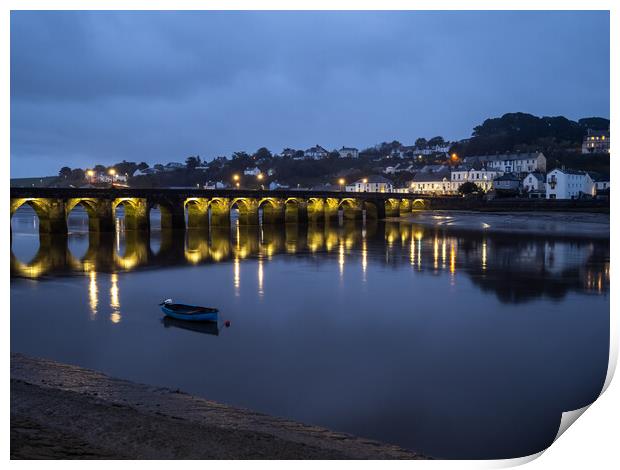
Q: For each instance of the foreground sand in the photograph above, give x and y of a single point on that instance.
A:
(68, 412)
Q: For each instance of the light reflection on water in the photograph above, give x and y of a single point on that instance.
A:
(457, 345)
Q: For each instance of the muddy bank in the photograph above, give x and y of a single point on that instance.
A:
(552, 224)
(64, 411)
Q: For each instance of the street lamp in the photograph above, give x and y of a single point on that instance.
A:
(112, 173)
(341, 182)
(260, 177)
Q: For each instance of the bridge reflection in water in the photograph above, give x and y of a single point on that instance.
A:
(515, 269)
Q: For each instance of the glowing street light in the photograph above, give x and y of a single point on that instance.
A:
(260, 176)
(112, 171)
(341, 182)
(236, 177)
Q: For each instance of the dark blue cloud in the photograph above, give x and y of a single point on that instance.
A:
(98, 87)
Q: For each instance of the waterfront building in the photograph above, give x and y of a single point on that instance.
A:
(520, 163)
(507, 182)
(348, 152)
(432, 182)
(478, 174)
(372, 184)
(569, 184)
(316, 153)
(595, 142)
(534, 181)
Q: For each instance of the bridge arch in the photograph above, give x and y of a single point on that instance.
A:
(351, 208)
(134, 215)
(197, 213)
(219, 212)
(90, 207)
(271, 210)
(420, 204)
(50, 214)
(247, 210)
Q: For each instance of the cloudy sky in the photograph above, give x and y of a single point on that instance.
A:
(100, 87)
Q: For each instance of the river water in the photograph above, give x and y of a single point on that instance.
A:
(457, 345)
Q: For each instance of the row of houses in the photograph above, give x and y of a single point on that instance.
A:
(318, 152)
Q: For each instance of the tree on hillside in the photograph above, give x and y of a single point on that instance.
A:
(594, 123)
(64, 172)
(192, 162)
(421, 143)
(99, 169)
(468, 188)
(262, 153)
(159, 167)
(142, 166)
(125, 167)
(77, 174)
(438, 140)
(239, 155)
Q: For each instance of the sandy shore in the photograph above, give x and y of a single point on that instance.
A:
(554, 224)
(59, 411)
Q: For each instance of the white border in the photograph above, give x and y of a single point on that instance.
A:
(592, 443)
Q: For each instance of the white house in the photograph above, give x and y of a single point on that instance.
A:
(534, 181)
(372, 184)
(348, 152)
(511, 162)
(479, 175)
(252, 171)
(569, 184)
(215, 185)
(316, 153)
(275, 185)
(431, 182)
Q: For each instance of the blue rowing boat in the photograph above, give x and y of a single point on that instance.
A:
(188, 312)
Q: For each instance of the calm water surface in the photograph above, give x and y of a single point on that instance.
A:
(455, 345)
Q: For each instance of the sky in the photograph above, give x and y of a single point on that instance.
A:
(100, 87)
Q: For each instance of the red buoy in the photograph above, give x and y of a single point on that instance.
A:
(227, 323)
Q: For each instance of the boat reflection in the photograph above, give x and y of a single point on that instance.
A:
(207, 328)
(516, 269)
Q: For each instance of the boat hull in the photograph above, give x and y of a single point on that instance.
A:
(206, 316)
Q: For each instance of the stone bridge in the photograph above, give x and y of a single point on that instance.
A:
(207, 208)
